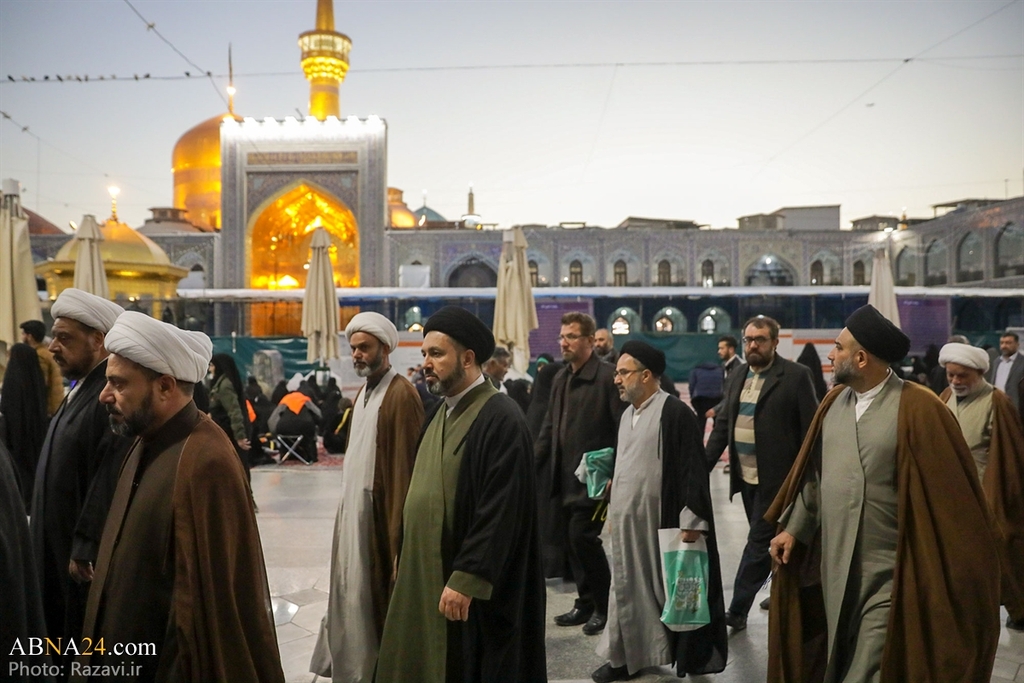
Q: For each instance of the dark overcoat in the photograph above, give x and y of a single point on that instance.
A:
(784, 411)
(75, 482)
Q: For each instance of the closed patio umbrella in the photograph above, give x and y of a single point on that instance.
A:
(883, 290)
(19, 300)
(320, 303)
(90, 275)
(515, 313)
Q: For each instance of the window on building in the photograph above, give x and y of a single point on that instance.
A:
(817, 273)
(970, 265)
(575, 274)
(664, 273)
(707, 273)
(906, 268)
(620, 273)
(663, 324)
(533, 273)
(858, 273)
(935, 264)
(620, 326)
(1010, 251)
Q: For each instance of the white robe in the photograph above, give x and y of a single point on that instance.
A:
(346, 649)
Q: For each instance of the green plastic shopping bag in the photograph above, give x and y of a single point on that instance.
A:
(600, 469)
(685, 573)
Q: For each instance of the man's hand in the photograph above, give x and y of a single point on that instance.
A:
(690, 535)
(710, 413)
(454, 605)
(781, 546)
(243, 444)
(81, 572)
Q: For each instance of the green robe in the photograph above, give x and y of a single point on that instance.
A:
(415, 640)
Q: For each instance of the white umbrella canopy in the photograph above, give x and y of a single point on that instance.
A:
(515, 313)
(90, 275)
(320, 303)
(883, 290)
(19, 300)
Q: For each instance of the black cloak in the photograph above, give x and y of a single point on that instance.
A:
(684, 483)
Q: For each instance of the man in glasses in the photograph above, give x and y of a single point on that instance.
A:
(583, 415)
(764, 417)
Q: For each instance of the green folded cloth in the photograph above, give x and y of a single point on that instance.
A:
(600, 469)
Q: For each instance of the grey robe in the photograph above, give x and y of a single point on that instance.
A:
(858, 529)
(635, 636)
(974, 413)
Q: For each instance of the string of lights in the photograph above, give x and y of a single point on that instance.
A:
(951, 62)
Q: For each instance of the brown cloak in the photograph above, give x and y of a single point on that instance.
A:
(944, 620)
(181, 556)
(1004, 491)
(399, 422)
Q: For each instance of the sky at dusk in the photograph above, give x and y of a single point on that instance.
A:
(586, 111)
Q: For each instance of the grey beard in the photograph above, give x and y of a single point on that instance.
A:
(370, 368)
(443, 386)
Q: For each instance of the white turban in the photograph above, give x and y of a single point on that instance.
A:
(88, 309)
(375, 324)
(964, 354)
(295, 382)
(160, 347)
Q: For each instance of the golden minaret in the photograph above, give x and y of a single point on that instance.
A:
(324, 61)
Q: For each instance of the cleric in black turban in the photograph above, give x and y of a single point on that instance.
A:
(645, 354)
(878, 335)
(465, 328)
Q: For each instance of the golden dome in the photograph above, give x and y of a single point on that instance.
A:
(121, 244)
(399, 214)
(196, 165)
(137, 268)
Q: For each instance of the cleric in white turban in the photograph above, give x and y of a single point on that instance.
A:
(965, 355)
(376, 325)
(90, 310)
(180, 563)
(161, 347)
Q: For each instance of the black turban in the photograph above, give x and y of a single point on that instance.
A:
(877, 335)
(463, 327)
(650, 357)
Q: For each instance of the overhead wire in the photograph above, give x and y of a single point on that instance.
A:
(151, 26)
(114, 78)
(879, 82)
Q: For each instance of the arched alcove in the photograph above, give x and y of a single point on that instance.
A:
(282, 228)
(769, 271)
(970, 259)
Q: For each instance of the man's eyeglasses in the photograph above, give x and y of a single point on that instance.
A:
(568, 337)
(758, 341)
(624, 373)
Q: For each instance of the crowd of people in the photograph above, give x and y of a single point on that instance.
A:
(889, 519)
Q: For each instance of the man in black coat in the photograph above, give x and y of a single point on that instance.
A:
(583, 416)
(78, 465)
(765, 415)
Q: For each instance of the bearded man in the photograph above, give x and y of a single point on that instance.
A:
(387, 416)
(887, 567)
(78, 463)
(180, 564)
(468, 603)
(993, 433)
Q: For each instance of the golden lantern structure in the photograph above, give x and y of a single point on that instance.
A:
(324, 62)
(137, 268)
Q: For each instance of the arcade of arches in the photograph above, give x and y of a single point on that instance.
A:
(279, 258)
